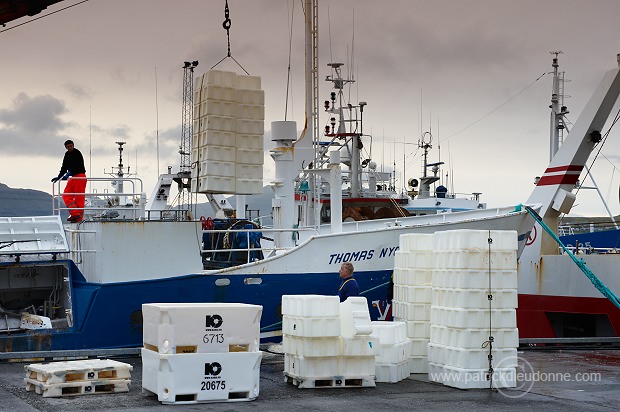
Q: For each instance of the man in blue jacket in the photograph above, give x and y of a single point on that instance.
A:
(349, 286)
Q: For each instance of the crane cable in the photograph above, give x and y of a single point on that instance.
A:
(226, 25)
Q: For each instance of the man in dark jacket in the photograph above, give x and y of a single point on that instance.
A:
(73, 168)
(349, 286)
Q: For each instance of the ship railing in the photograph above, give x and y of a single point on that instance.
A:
(251, 252)
(102, 204)
(589, 250)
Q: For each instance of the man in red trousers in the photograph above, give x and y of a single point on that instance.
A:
(73, 168)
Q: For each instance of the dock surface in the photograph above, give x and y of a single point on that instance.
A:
(554, 380)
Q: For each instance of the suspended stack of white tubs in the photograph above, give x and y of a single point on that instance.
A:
(473, 311)
(327, 344)
(413, 274)
(202, 352)
(228, 128)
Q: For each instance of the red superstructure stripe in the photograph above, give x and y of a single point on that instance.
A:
(565, 179)
(569, 168)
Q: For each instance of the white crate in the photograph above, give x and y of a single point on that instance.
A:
(249, 186)
(413, 277)
(250, 141)
(419, 364)
(310, 305)
(215, 168)
(413, 260)
(311, 347)
(245, 96)
(419, 347)
(315, 367)
(250, 111)
(418, 329)
(217, 153)
(473, 318)
(411, 311)
(474, 338)
(221, 78)
(355, 317)
(215, 184)
(360, 346)
(201, 377)
(201, 327)
(245, 171)
(471, 358)
(354, 366)
(499, 260)
(249, 156)
(248, 82)
(218, 108)
(476, 240)
(212, 122)
(412, 294)
(389, 333)
(471, 378)
(311, 327)
(392, 372)
(475, 298)
(249, 126)
(416, 242)
(215, 138)
(394, 353)
(475, 279)
(213, 91)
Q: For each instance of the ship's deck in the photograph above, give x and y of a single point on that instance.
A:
(590, 381)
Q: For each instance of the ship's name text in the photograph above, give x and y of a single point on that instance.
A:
(336, 258)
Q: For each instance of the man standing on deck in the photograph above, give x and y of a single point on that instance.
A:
(349, 286)
(74, 169)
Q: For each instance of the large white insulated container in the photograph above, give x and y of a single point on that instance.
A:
(201, 327)
(201, 377)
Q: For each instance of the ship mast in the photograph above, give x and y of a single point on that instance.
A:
(558, 110)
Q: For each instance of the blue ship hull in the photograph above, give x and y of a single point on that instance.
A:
(605, 239)
(110, 315)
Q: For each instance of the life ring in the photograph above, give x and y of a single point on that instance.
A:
(207, 223)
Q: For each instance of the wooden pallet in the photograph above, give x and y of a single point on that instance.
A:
(55, 390)
(78, 371)
(330, 382)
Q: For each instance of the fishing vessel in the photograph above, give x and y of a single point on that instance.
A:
(555, 298)
(76, 286)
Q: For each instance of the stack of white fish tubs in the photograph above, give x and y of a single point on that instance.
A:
(413, 274)
(473, 336)
(393, 364)
(327, 344)
(227, 141)
(201, 352)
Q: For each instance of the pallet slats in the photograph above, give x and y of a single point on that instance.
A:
(84, 377)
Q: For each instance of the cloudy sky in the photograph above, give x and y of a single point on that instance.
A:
(96, 73)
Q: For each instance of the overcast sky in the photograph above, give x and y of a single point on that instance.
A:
(89, 73)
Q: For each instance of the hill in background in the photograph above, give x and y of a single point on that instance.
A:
(24, 202)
